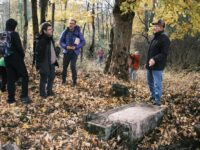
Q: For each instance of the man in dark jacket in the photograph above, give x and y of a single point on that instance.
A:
(156, 61)
(71, 41)
(46, 60)
(15, 66)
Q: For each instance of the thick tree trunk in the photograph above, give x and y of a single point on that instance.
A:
(108, 61)
(121, 43)
(43, 10)
(91, 49)
(35, 25)
(25, 26)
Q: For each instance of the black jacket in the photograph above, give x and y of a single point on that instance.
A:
(43, 54)
(16, 46)
(158, 50)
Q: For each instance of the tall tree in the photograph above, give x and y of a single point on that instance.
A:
(91, 49)
(53, 14)
(122, 39)
(35, 25)
(43, 10)
(25, 25)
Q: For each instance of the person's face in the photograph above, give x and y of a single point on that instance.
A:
(157, 28)
(49, 31)
(72, 24)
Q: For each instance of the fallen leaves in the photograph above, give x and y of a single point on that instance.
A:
(58, 122)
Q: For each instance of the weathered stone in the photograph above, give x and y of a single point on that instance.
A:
(9, 146)
(132, 121)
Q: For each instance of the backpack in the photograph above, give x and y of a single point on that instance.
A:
(5, 44)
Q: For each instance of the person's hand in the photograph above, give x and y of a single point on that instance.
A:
(69, 47)
(151, 62)
(73, 47)
(145, 65)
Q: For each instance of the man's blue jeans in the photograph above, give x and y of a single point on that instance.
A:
(154, 80)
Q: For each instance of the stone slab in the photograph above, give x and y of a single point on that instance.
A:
(134, 120)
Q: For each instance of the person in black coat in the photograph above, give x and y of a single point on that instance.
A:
(156, 60)
(15, 66)
(46, 60)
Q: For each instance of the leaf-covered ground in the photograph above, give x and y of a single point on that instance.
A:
(57, 122)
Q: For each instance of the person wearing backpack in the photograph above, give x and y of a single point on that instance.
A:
(71, 41)
(15, 66)
(46, 60)
(3, 75)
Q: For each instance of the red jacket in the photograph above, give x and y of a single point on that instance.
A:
(135, 61)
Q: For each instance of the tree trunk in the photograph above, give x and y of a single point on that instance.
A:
(121, 42)
(43, 10)
(98, 25)
(35, 25)
(102, 20)
(53, 15)
(25, 26)
(108, 61)
(91, 49)
(81, 58)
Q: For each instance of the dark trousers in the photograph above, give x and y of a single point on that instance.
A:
(46, 81)
(15, 68)
(3, 77)
(70, 57)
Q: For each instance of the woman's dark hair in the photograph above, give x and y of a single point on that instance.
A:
(44, 26)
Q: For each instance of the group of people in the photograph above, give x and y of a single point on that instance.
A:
(12, 66)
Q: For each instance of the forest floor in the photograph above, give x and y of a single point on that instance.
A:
(57, 122)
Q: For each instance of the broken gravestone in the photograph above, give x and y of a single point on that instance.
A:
(130, 122)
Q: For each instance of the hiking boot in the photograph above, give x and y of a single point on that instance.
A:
(64, 82)
(50, 93)
(151, 99)
(74, 84)
(11, 101)
(43, 96)
(26, 100)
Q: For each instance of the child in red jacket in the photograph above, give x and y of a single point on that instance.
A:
(134, 64)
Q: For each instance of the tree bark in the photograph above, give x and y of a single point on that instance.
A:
(91, 49)
(108, 61)
(25, 26)
(102, 20)
(121, 42)
(35, 25)
(53, 15)
(43, 10)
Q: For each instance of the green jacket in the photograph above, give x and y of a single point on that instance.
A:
(2, 62)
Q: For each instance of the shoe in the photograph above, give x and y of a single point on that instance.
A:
(64, 82)
(152, 99)
(43, 96)
(3, 89)
(11, 101)
(26, 100)
(157, 104)
(50, 93)
(74, 84)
